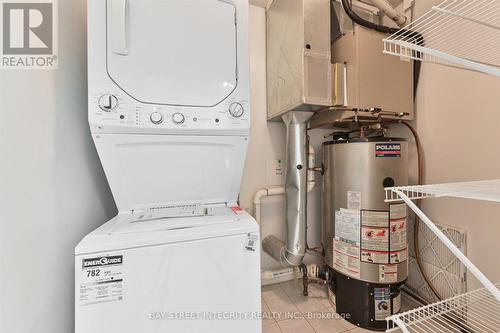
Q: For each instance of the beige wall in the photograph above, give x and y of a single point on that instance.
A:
(457, 118)
(458, 122)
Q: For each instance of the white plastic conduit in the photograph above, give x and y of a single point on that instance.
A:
(263, 193)
(399, 18)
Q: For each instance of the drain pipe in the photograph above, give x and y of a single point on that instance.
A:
(263, 193)
(293, 251)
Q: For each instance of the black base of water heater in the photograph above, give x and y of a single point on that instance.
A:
(366, 304)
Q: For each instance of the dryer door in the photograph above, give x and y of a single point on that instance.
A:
(172, 52)
(171, 170)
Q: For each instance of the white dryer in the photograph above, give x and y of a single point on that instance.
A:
(170, 116)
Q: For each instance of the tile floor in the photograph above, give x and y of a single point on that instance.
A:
(286, 310)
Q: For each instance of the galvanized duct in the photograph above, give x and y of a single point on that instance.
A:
(292, 253)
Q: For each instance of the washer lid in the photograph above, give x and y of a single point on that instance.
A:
(222, 215)
(173, 52)
(122, 234)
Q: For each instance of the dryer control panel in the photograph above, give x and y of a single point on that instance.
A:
(112, 108)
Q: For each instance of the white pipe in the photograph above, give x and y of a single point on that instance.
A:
(263, 193)
(399, 18)
(279, 275)
(449, 244)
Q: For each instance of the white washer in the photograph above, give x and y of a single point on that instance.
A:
(169, 115)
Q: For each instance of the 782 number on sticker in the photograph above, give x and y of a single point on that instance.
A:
(93, 272)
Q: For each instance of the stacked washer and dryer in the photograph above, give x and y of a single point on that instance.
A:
(168, 85)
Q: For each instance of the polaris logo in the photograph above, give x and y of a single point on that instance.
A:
(389, 147)
(388, 150)
(102, 261)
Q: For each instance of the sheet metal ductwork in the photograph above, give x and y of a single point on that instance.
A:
(293, 251)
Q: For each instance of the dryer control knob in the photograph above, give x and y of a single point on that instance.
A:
(108, 102)
(178, 118)
(156, 118)
(236, 110)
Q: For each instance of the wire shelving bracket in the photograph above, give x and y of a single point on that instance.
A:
(460, 33)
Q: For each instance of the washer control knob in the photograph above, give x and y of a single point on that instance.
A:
(236, 110)
(178, 118)
(108, 102)
(156, 117)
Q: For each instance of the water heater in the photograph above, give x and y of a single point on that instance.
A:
(365, 239)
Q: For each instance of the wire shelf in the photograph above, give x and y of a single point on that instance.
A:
(487, 190)
(475, 311)
(463, 33)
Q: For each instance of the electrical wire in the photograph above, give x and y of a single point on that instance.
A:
(416, 227)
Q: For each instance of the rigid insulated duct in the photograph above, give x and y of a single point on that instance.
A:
(292, 253)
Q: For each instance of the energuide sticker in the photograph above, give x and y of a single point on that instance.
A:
(388, 150)
(388, 273)
(101, 280)
(346, 242)
(251, 242)
(382, 302)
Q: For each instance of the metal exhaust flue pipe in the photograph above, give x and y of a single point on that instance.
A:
(293, 251)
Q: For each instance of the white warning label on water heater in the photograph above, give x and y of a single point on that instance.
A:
(374, 257)
(101, 280)
(347, 225)
(346, 242)
(397, 211)
(398, 256)
(388, 273)
(398, 235)
(354, 200)
(346, 258)
(373, 218)
(375, 239)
